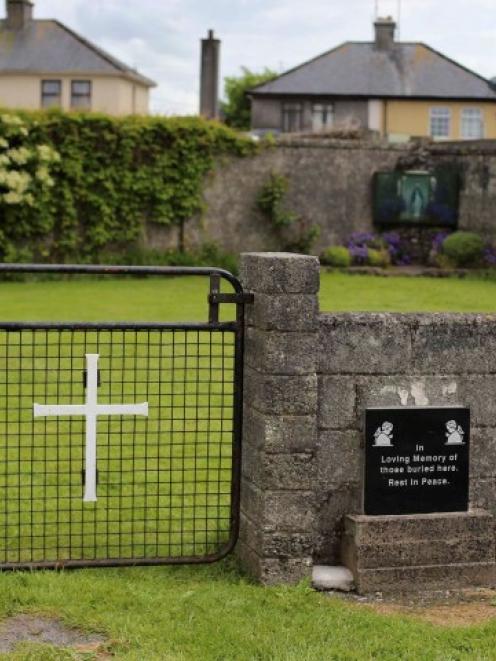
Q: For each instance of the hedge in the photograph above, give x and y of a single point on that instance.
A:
(73, 186)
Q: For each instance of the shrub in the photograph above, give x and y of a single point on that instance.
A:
(73, 185)
(209, 254)
(378, 258)
(338, 256)
(464, 248)
(271, 201)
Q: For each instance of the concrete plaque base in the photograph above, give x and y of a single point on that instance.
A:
(420, 552)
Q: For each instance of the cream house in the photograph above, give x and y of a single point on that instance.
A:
(44, 64)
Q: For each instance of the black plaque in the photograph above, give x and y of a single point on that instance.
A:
(416, 460)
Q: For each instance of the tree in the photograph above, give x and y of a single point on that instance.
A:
(237, 109)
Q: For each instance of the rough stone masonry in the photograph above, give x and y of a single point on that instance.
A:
(309, 377)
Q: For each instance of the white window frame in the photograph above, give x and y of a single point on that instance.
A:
(440, 116)
(322, 116)
(81, 100)
(51, 93)
(292, 117)
(472, 125)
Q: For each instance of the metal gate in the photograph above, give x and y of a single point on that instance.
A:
(120, 443)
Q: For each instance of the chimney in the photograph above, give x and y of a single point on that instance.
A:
(19, 14)
(209, 77)
(384, 33)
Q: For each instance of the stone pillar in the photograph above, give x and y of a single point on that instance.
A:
(278, 508)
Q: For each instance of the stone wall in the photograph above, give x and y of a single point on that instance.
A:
(309, 379)
(385, 360)
(330, 186)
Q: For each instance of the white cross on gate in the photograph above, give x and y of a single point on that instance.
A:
(91, 410)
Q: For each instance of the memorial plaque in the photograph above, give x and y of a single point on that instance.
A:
(416, 460)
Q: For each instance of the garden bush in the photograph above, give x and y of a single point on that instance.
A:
(208, 254)
(378, 258)
(337, 256)
(73, 186)
(464, 248)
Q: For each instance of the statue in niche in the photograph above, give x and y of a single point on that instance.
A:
(417, 203)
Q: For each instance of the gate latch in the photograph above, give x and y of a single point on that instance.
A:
(238, 299)
(215, 298)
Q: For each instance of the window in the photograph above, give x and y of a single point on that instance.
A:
(472, 124)
(81, 94)
(440, 122)
(291, 117)
(322, 117)
(51, 93)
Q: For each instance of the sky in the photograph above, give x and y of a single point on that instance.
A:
(161, 38)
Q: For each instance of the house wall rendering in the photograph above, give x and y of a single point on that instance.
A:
(397, 118)
(109, 94)
(407, 118)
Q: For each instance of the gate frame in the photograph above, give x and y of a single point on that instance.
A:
(215, 298)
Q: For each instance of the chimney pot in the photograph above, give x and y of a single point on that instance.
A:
(19, 14)
(384, 33)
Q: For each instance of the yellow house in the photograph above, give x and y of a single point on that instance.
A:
(399, 89)
(44, 64)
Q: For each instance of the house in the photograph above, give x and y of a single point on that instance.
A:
(44, 64)
(396, 88)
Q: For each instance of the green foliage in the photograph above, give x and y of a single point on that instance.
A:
(208, 254)
(76, 185)
(306, 237)
(271, 199)
(378, 258)
(271, 202)
(338, 256)
(464, 248)
(237, 109)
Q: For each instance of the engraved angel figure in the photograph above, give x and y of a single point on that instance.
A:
(384, 436)
(454, 434)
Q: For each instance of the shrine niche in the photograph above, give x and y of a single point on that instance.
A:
(416, 197)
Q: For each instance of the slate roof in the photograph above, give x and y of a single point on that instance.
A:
(49, 47)
(412, 70)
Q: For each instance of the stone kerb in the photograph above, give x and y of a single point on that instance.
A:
(278, 505)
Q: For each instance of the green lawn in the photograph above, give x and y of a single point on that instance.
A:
(341, 292)
(178, 299)
(176, 613)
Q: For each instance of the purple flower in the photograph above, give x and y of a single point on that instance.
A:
(438, 240)
(490, 256)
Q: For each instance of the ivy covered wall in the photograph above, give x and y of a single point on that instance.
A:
(73, 187)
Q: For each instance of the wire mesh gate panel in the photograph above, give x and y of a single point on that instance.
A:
(164, 404)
